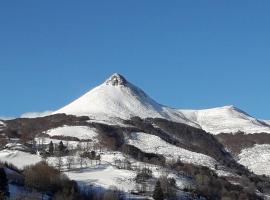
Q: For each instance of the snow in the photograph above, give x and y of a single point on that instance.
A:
(256, 158)
(117, 98)
(105, 176)
(16, 146)
(36, 114)
(69, 144)
(267, 121)
(181, 181)
(227, 119)
(80, 132)
(2, 125)
(154, 144)
(19, 158)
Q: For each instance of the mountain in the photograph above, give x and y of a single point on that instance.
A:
(117, 98)
(110, 148)
(227, 119)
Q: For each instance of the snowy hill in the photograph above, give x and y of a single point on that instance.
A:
(227, 119)
(117, 98)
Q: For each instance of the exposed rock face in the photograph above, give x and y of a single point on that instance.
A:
(116, 79)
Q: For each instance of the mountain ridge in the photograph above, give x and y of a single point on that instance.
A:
(118, 98)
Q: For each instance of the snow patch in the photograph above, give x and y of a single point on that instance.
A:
(36, 114)
(256, 158)
(154, 144)
(17, 146)
(80, 132)
(106, 176)
(18, 158)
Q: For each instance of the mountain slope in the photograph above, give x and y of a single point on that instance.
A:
(227, 119)
(117, 98)
(267, 121)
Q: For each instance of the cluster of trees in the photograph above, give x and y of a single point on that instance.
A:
(211, 186)
(91, 156)
(165, 188)
(80, 156)
(123, 164)
(49, 181)
(3, 142)
(46, 182)
(61, 149)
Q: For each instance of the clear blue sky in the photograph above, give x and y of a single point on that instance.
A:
(183, 53)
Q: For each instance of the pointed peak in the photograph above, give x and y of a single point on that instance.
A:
(230, 107)
(115, 80)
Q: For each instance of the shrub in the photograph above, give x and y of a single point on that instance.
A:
(42, 177)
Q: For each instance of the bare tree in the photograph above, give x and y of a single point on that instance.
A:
(70, 162)
(59, 163)
(81, 160)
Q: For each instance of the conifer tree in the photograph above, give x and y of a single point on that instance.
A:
(158, 193)
(61, 147)
(51, 148)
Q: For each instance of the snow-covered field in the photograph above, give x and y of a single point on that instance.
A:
(227, 119)
(80, 132)
(105, 175)
(256, 158)
(154, 144)
(19, 158)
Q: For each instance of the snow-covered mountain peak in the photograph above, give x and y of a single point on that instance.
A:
(117, 98)
(232, 108)
(116, 79)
